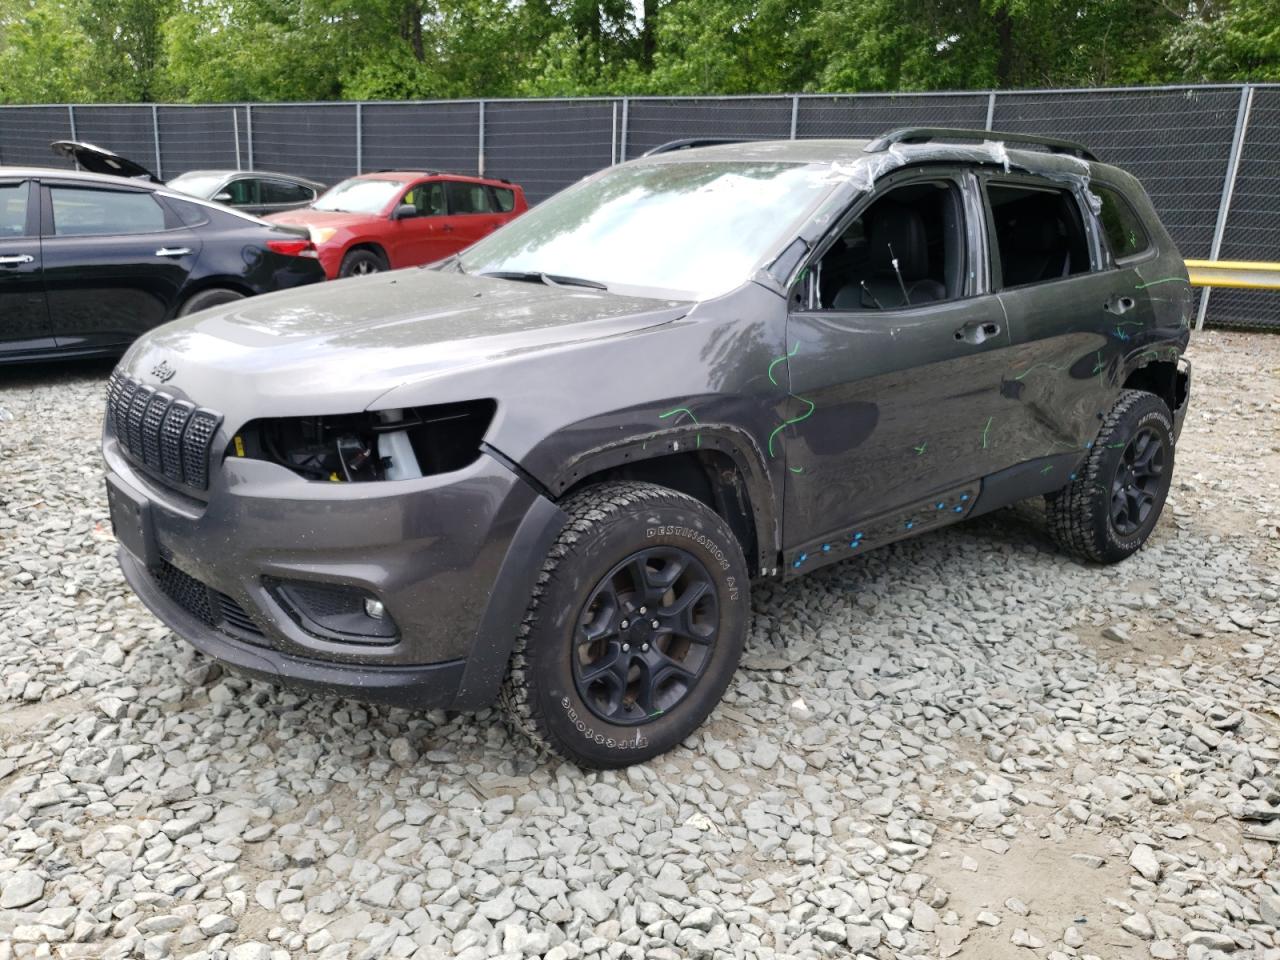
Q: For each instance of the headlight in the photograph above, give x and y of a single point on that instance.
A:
(381, 445)
(321, 235)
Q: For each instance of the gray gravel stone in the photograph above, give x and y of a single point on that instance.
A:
(909, 730)
(20, 889)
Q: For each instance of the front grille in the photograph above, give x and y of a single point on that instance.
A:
(169, 437)
(207, 605)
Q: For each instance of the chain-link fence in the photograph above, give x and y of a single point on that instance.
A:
(1209, 155)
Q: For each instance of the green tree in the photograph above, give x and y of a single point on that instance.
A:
(1223, 41)
(44, 55)
(128, 47)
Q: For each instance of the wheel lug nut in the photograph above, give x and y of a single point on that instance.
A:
(625, 624)
(655, 624)
(644, 647)
(626, 647)
(642, 611)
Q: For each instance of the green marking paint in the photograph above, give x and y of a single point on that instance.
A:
(679, 410)
(1115, 446)
(920, 449)
(786, 423)
(984, 432)
(1156, 283)
(785, 356)
(796, 469)
(1047, 469)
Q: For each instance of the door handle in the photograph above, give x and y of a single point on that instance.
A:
(14, 259)
(173, 251)
(1119, 305)
(978, 331)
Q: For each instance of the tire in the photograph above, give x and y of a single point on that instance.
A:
(209, 298)
(1113, 503)
(360, 263)
(560, 689)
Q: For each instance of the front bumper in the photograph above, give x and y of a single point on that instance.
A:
(452, 557)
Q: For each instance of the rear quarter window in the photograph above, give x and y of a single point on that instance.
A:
(1121, 224)
(504, 200)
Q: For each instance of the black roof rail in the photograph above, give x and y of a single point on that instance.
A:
(926, 134)
(693, 142)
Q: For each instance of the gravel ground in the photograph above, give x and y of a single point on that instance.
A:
(963, 745)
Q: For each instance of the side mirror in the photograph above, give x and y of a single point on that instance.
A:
(404, 211)
(223, 197)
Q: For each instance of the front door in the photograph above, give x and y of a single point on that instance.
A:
(426, 237)
(895, 360)
(113, 268)
(24, 318)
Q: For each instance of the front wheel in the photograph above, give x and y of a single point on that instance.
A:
(635, 628)
(361, 263)
(1111, 506)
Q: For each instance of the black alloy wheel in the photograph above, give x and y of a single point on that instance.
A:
(645, 635)
(1138, 480)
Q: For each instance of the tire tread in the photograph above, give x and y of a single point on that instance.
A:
(586, 511)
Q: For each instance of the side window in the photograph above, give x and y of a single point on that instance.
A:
(244, 192)
(467, 197)
(905, 249)
(281, 191)
(80, 212)
(13, 209)
(1120, 223)
(504, 200)
(428, 198)
(1039, 233)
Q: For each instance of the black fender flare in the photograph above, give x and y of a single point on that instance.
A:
(735, 442)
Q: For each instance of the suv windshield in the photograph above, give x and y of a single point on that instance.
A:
(359, 196)
(687, 230)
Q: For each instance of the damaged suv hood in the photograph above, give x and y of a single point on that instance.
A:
(336, 347)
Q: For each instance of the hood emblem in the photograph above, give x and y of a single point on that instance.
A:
(163, 372)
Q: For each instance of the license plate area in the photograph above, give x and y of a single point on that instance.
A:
(131, 522)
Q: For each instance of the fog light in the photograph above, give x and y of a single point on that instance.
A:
(333, 611)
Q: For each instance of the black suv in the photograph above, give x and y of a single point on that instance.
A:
(548, 469)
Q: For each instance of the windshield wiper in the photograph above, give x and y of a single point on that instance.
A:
(550, 279)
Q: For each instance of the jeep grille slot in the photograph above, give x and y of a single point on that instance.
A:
(168, 437)
(207, 605)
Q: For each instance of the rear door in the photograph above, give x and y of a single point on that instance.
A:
(472, 211)
(115, 262)
(24, 317)
(1071, 320)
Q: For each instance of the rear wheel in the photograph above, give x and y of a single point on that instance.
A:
(635, 628)
(209, 298)
(1109, 510)
(361, 263)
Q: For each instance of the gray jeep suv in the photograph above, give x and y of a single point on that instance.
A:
(548, 470)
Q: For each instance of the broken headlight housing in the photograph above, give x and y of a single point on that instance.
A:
(376, 445)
